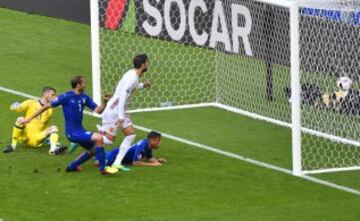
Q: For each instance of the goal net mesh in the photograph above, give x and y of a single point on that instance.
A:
(237, 53)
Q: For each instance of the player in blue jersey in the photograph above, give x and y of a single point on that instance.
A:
(73, 104)
(141, 150)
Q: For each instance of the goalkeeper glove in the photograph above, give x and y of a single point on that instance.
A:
(15, 106)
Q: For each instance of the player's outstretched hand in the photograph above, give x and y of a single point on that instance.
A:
(161, 160)
(156, 163)
(147, 84)
(119, 123)
(24, 121)
(15, 106)
(106, 98)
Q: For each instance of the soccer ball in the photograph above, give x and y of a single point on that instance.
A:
(344, 83)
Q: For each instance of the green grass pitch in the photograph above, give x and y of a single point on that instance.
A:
(194, 184)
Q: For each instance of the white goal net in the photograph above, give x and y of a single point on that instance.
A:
(330, 70)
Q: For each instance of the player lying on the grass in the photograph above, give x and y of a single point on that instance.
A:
(38, 131)
(346, 100)
(73, 104)
(115, 115)
(139, 152)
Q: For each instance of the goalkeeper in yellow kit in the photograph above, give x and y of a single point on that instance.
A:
(38, 131)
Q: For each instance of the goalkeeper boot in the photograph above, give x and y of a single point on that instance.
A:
(109, 170)
(8, 149)
(61, 149)
(121, 167)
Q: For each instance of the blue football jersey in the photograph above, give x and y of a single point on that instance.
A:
(73, 106)
(138, 151)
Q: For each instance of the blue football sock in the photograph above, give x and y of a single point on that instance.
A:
(111, 156)
(100, 156)
(81, 159)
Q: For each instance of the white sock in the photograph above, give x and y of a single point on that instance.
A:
(53, 147)
(124, 147)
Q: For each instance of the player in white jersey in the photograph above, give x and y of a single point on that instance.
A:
(115, 116)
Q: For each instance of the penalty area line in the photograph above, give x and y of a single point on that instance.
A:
(218, 151)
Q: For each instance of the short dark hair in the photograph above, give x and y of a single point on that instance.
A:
(48, 88)
(76, 80)
(153, 134)
(139, 60)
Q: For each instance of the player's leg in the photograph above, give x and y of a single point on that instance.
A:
(129, 137)
(17, 134)
(83, 138)
(89, 141)
(73, 147)
(55, 147)
(83, 157)
(37, 139)
(108, 128)
(111, 156)
(52, 132)
(100, 154)
(108, 131)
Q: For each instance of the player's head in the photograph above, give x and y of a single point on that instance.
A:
(154, 139)
(48, 93)
(141, 62)
(78, 82)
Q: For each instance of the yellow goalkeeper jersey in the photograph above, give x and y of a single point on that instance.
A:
(40, 122)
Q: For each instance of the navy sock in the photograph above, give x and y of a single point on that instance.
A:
(100, 156)
(81, 159)
(111, 156)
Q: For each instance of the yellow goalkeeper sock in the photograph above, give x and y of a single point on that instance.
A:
(54, 139)
(16, 134)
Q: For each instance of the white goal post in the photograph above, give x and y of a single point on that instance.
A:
(274, 60)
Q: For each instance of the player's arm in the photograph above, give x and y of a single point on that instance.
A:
(121, 106)
(160, 160)
(20, 107)
(151, 158)
(99, 109)
(47, 119)
(148, 163)
(123, 95)
(145, 84)
(62, 99)
(37, 113)
(151, 161)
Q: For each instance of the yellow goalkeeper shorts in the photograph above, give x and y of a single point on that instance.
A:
(34, 139)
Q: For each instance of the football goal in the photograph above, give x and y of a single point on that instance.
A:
(290, 63)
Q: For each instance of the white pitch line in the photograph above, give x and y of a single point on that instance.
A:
(17, 93)
(221, 152)
(252, 161)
